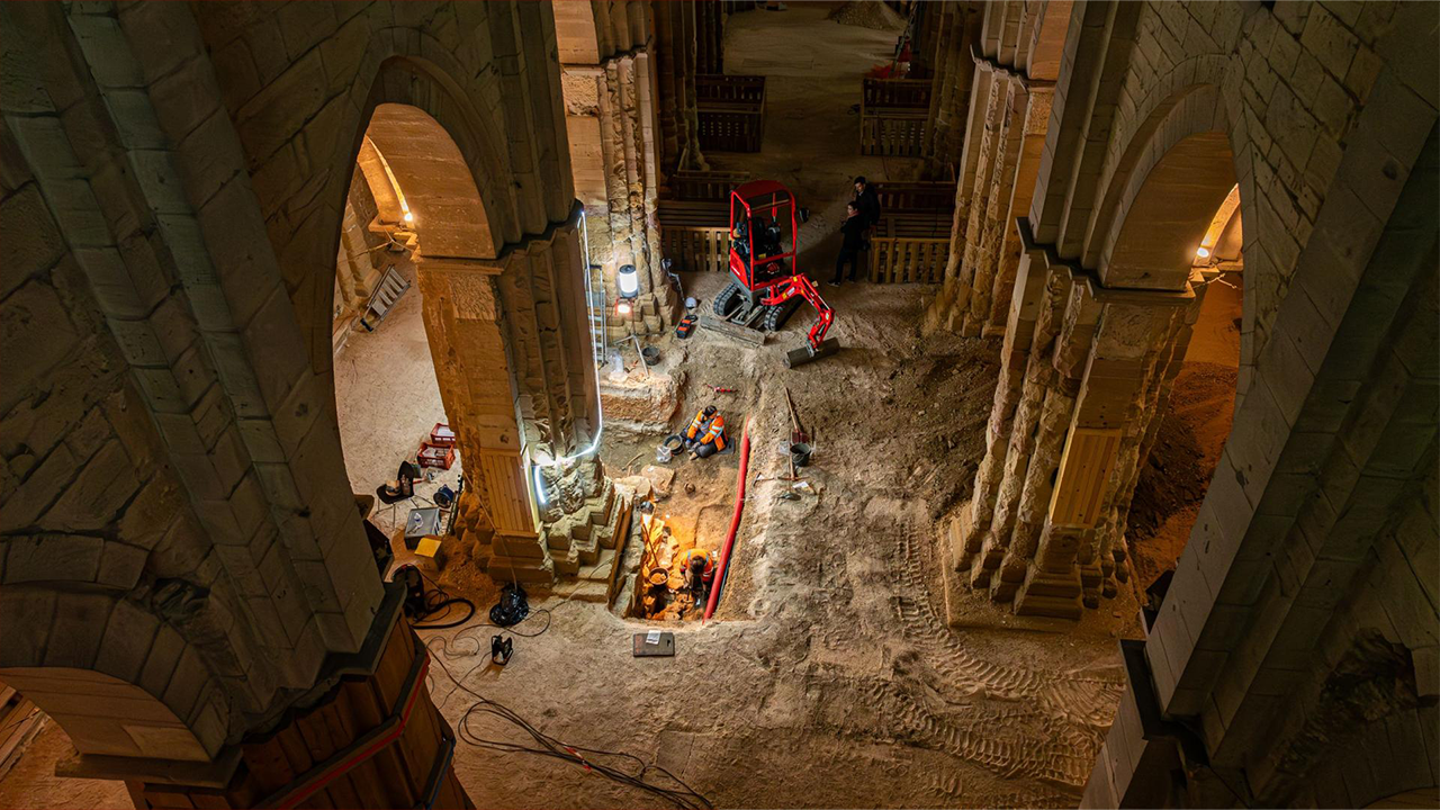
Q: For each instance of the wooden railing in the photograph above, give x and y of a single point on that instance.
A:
(695, 234)
(714, 87)
(704, 186)
(731, 112)
(894, 115)
(909, 249)
(896, 93)
(929, 197)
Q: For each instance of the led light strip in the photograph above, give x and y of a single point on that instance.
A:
(541, 496)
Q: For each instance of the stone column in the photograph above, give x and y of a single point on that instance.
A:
(675, 47)
(956, 27)
(510, 338)
(610, 115)
(1001, 161)
(1084, 373)
(709, 37)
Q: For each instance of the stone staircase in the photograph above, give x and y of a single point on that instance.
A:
(587, 545)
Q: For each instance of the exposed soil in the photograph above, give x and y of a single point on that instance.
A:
(1173, 482)
(830, 678)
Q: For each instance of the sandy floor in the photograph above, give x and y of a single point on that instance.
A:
(387, 402)
(831, 678)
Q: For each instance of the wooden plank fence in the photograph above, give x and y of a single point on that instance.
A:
(909, 249)
(695, 235)
(929, 197)
(731, 112)
(700, 186)
(894, 116)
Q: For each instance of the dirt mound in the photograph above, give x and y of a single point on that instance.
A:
(1173, 482)
(867, 14)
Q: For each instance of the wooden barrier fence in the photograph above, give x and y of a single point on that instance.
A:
(697, 186)
(909, 249)
(928, 197)
(731, 112)
(894, 115)
(695, 235)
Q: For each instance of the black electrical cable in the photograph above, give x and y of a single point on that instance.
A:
(444, 601)
(438, 600)
(605, 763)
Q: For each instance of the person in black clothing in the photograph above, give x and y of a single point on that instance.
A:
(853, 232)
(868, 201)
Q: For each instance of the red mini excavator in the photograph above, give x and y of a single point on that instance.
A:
(767, 286)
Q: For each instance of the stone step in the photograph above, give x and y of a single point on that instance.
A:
(588, 591)
(618, 528)
(602, 570)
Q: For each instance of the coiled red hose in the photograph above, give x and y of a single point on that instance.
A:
(724, 566)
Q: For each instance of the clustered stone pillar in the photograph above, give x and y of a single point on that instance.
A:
(709, 37)
(675, 35)
(510, 341)
(952, 31)
(1084, 372)
(610, 110)
(1004, 142)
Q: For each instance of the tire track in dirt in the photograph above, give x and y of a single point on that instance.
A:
(1054, 724)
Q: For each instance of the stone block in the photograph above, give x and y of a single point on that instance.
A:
(77, 629)
(94, 499)
(121, 565)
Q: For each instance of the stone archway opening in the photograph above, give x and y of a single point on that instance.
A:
(1183, 227)
(411, 195)
(1192, 431)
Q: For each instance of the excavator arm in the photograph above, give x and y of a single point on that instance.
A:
(816, 347)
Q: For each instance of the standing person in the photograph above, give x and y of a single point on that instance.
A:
(868, 201)
(852, 231)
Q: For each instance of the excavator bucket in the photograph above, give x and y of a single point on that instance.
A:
(799, 357)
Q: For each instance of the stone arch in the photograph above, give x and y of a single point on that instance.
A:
(117, 678)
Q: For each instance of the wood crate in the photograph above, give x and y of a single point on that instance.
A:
(695, 234)
(909, 249)
(731, 112)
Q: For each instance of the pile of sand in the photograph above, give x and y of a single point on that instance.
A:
(868, 14)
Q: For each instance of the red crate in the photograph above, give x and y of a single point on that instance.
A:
(442, 436)
(431, 455)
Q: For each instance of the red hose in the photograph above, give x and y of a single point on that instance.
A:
(721, 569)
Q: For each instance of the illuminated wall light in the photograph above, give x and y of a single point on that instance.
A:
(622, 308)
(409, 217)
(541, 495)
(629, 281)
(1203, 253)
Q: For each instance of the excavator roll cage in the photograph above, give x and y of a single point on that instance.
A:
(766, 278)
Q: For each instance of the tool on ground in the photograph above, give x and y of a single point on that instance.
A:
(655, 643)
(501, 649)
(421, 523)
(686, 326)
(767, 285)
(392, 285)
(717, 389)
(797, 432)
(512, 608)
(444, 496)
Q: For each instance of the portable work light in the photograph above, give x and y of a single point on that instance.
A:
(628, 280)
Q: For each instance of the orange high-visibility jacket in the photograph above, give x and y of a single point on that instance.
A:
(696, 425)
(715, 432)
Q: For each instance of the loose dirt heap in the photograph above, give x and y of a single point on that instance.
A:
(868, 14)
(1173, 482)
